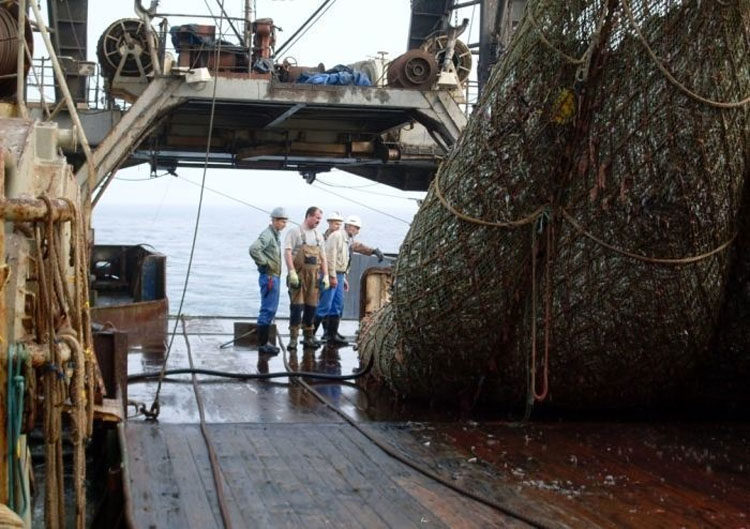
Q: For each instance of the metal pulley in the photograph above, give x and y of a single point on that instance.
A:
(123, 49)
(414, 69)
(437, 46)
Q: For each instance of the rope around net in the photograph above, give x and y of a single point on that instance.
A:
(644, 258)
(567, 216)
(494, 224)
(668, 74)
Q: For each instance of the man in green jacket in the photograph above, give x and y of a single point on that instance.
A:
(266, 252)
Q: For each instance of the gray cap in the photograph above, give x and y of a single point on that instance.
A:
(279, 213)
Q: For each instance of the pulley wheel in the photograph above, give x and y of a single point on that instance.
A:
(437, 46)
(127, 38)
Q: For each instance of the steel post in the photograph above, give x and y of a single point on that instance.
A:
(20, 77)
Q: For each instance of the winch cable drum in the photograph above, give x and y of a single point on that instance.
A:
(123, 49)
(415, 69)
(9, 49)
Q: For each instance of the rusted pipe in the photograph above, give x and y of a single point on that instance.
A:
(34, 209)
(39, 353)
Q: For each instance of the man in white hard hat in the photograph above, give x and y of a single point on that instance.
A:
(342, 245)
(266, 252)
(305, 259)
(337, 255)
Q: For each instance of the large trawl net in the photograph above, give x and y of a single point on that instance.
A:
(577, 243)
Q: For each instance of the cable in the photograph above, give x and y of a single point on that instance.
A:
(154, 411)
(306, 25)
(365, 206)
(230, 197)
(142, 377)
(345, 187)
(508, 511)
(375, 193)
(215, 467)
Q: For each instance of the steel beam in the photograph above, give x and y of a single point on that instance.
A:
(158, 98)
(285, 115)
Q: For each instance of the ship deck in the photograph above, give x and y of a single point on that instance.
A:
(287, 460)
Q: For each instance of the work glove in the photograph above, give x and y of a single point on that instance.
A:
(378, 254)
(293, 279)
(270, 283)
(326, 283)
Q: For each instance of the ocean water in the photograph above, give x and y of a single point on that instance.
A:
(223, 279)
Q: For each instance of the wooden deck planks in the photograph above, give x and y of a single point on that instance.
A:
(282, 476)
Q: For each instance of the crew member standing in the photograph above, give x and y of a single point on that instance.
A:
(331, 301)
(339, 246)
(266, 252)
(305, 260)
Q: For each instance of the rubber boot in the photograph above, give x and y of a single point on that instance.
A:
(293, 337)
(309, 337)
(318, 321)
(263, 346)
(334, 338)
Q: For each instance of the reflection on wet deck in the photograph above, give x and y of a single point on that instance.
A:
(288, 461)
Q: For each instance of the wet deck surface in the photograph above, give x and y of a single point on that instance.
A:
(288, 461)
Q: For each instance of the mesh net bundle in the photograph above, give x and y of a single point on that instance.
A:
(588, 213)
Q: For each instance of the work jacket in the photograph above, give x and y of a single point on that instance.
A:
(337, 252)
(266, 251)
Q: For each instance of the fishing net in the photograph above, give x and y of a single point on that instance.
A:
(577, 243)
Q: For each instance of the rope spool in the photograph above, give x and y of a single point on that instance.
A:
(9, 48)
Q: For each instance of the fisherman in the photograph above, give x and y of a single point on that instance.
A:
(334, 224)
(305, 258)
(339, 247)
(266, 252)
(337, 257)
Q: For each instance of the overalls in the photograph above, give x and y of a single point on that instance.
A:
(304, 300)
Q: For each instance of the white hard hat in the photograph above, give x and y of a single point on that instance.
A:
(279, 213)
(335, 215)
(354, 220)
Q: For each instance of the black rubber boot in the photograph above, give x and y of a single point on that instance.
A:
(334, 338)
(263, 346)
(318, 321)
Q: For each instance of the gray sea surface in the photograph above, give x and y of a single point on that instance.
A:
(223, 279)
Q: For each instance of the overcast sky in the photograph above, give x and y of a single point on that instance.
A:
(351, 30)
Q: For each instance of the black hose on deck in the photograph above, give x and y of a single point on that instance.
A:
(139, 377)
